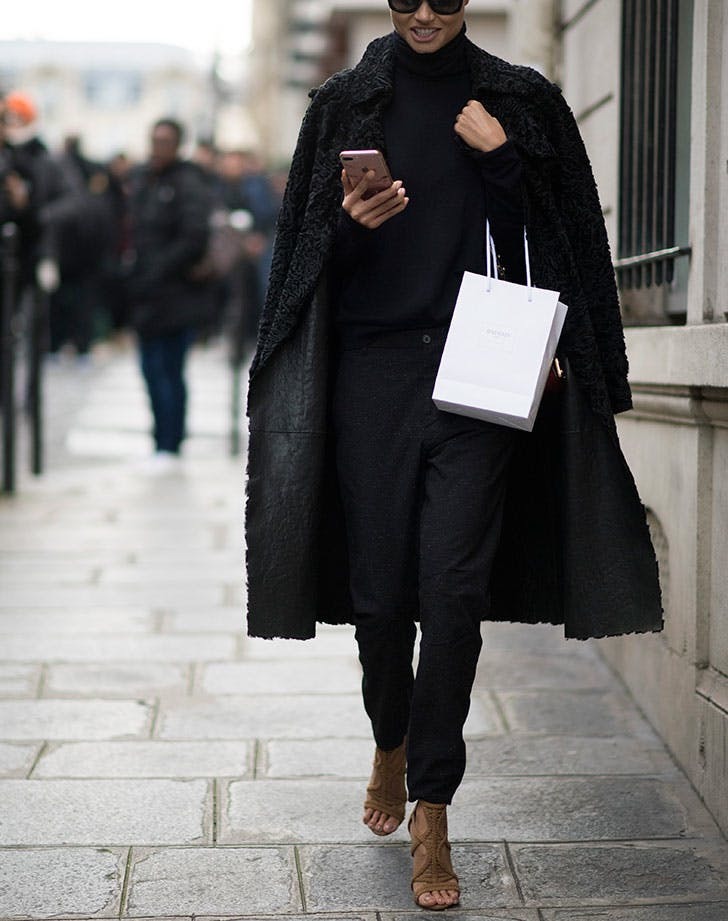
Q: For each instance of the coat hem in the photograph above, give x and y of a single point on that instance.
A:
(525, 623)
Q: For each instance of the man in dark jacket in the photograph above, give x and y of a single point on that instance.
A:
(366, 503)
(169, 211)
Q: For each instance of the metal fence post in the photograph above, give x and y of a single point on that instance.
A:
(235, 405)
(36, 349)
(9, 268)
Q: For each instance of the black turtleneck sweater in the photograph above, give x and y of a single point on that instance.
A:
(406, 274)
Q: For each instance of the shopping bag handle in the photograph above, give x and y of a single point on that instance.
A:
(491, 264)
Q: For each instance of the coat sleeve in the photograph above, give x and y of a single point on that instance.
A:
(290, 219)
(584, 223)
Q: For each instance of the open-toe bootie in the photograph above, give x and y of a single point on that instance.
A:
(387, 792)
(432, 868)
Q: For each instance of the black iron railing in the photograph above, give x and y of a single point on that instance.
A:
(648, 245)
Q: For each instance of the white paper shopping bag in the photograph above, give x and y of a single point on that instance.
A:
(499, 349)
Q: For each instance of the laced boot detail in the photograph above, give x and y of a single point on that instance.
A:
(432, 868)
(386, 792)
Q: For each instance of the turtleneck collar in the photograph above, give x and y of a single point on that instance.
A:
(448, 60)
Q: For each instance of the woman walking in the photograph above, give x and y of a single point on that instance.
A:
(367, 504)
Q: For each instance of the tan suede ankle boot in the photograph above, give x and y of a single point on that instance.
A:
(432, 868)
(386, 791)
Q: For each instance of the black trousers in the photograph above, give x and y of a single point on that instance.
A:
(422, 492)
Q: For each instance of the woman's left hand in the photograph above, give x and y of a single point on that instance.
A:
(478, 128)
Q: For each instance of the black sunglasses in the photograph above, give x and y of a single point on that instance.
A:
(439, 7)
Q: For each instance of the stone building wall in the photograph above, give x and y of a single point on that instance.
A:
(676, 439)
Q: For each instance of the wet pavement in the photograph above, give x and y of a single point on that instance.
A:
(157, 763)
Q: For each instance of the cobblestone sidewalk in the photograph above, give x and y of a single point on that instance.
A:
(156, 763)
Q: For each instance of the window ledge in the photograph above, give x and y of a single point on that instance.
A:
(690, 356)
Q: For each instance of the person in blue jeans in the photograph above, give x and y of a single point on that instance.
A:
(169, 212)
(163, 361)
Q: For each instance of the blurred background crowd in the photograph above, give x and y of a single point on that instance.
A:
(78, 234)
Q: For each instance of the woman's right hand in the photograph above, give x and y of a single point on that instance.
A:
(372, 212)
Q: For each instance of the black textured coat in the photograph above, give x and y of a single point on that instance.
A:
(575, 548)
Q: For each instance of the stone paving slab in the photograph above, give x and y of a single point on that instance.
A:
(217, 508)
(226, 551)
(377, 877)
(287, 717)
(253, 717)
(204, 620)
(514, 755)
(58, 882)
(489, 914)
(117, 647)
(316, 758)
(592, 713)
(59, 560)
(535, 639)
(335, 916)
(326, 643)
(147, 759)
(301, 916)
(519, 671)
(74, 719)
(222, 881)
(166, 574)
(492, 914)
(116, 679)
(213, 479)
(17, 760)
(568, 809)
(219, 503)
(54, 574)
(300, 677)
(705, 911)
(18, 680)
(291, 812)
(621, 873)
(144, 592)
(75, 621)
(48, 812)
(98, 538)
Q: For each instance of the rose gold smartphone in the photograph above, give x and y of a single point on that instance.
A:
(358, 162)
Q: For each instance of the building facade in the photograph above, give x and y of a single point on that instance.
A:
(297, 44)
(649, 83)
(108, 93)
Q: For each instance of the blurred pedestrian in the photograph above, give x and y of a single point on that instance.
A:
(115, 294)
(222, 258)
(85, 233)
(169, 209)
(248, 189)
(31, 187)
(36, 183)
(365, 502)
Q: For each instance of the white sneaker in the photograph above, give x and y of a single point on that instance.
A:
(162, 463)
